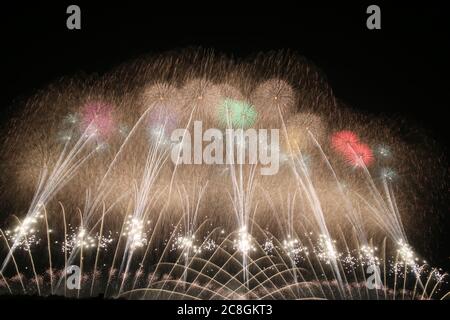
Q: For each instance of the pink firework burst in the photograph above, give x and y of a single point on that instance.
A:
(98, 119)
(343, 141)
(359, 155)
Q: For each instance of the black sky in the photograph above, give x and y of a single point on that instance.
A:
(401, 70)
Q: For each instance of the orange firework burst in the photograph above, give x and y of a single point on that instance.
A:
(347, 143)
(359, 155)
(343, 141)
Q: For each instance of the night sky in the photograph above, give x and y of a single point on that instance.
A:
(400, 71)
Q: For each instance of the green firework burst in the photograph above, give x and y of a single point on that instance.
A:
(237, 113)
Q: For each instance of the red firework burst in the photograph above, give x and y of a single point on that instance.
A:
(359, 155)
(98, 119)
(343, 141)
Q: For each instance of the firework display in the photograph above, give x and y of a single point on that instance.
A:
(89, 182)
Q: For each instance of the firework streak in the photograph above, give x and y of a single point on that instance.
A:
(90, 185)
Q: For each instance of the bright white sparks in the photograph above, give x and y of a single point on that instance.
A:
(134, 231)
(294, 248)
(405, 254)
(326, 250)
(244, 242)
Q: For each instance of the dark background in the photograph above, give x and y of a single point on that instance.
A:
(401, 70)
